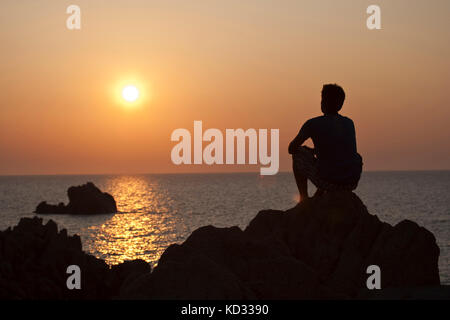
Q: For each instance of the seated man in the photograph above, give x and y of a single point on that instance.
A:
(334, 163)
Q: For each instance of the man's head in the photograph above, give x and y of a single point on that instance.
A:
(333, 97)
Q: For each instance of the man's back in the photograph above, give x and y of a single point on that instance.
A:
(338, 165)
(334, 141)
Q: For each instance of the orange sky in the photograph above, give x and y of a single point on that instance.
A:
(231, 64)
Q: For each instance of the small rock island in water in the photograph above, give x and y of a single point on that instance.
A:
(84, 199)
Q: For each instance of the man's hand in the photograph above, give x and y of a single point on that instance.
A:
(293, 150)
(298, 140)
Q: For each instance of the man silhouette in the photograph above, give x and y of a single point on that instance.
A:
(333, 164)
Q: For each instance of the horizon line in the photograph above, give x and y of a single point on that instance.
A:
(194, 173)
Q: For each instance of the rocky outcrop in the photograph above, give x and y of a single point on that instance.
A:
(84, 199)
(318, 250)
(33, 263)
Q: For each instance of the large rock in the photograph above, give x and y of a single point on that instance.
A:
(337, 237)
(319, 249)
(84, 199)
(33, 263)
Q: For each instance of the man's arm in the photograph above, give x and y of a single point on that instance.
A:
(301, 137)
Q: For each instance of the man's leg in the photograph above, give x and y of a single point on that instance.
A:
(302, 183)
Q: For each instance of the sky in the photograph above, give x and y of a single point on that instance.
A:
(231, 64)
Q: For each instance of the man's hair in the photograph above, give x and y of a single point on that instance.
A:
(333, 97)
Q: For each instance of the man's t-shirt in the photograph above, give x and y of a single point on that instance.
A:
(335, 147)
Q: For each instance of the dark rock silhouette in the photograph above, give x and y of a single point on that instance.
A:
(319, 249)
(84, 199)
(34, 258)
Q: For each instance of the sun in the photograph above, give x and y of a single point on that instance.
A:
(130, 93)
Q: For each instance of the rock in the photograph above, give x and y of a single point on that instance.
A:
(195, 277)
(127, 271)
(84, 199)
(223, 263)
(34, 258)
(319, 249)
(44, 207)
(337, 237)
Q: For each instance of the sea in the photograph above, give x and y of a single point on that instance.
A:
(156, 210)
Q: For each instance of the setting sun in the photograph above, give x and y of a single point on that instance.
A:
(130, 93)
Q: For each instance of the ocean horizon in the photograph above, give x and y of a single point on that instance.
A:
(156, 210)
(194, 172)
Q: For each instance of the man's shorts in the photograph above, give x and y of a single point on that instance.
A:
(306, 163)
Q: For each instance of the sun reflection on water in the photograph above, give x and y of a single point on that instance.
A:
(156, 211)
(142, 225)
